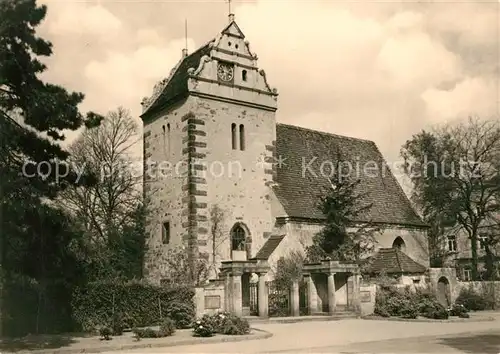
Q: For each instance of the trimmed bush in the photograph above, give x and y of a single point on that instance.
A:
(472, 300)
(105, 333)
(222, 323)
(458, 310)
(204, 327)
(140, 304)
(167, 327)
(391, 301)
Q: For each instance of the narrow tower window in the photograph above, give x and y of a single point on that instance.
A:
(233, 136)
(165, 233)
(168, 139)
(242, 137)
(244, 75)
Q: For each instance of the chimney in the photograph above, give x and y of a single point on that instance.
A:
(184, 52)
(231, 18)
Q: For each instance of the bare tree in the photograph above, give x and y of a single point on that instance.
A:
(106, 208)
(455, 174)
(217, 235)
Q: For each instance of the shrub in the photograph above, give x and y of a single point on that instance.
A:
(457, 310)
(117, 325)
(145, 333)
(391, 301)
(167, 327)
(464, 315)
(139, 303)
(472, 300)
(230, 324)
(278, 305)
(222, 323)
(181, 313)
(204, 327)
(105, 333)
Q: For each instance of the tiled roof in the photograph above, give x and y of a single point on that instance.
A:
(394, 261)
(299, 190)
(269, 247)
(177, 85)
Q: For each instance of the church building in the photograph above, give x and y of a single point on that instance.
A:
(212, 142)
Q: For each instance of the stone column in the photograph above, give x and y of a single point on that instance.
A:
(311, 294)
(294, 297)
(331, 294)
(355, 294)
(262, 296)
(237, 305)
(227, 293)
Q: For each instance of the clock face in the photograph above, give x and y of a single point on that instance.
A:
(225, 72)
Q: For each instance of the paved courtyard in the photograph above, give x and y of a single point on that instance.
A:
(362, 336)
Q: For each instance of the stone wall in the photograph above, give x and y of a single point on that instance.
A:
(490, 290)
(367, 295)
(210, 299)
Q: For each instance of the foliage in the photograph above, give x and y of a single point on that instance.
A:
(472, 300)
(105, 333)
(391, 301)
(217, 235)
(167, 327)
(288, 269)
(204, 327)
(29, 306)
(109, 212)
(178, 266)
(182, 313)
(279, 303)
(455, 174)
(458, 310)
(148, 332)
(117, 324)
(343, 207)
(222, 323)
(141, 304)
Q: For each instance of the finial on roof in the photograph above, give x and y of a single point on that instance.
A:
(231, 15)
(185, 50)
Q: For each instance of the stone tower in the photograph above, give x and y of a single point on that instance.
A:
(209, 140)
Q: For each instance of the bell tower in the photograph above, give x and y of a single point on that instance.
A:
(219, 114)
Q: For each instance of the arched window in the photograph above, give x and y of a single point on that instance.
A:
(242, 137)
(238, 236)
(233, 136)
(399, 243)
(244, 75)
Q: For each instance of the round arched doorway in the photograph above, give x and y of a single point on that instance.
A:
(443, 291)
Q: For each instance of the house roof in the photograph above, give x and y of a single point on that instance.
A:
(394, 261)
(268, 248)
(177, 86)
(299, 190)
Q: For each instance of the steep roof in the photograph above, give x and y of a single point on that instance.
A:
(299, 190)
(268, 248)
(394, 261)
(177, 86)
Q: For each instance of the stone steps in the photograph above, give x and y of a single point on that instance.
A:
(340, 315)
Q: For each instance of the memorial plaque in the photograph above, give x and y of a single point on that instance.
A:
(365, 296)
(212, 302)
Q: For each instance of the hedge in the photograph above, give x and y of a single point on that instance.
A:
(30, 308)
(140, 304)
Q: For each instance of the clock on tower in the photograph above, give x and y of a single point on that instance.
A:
(225, 72)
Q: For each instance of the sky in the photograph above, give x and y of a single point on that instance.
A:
(377, 70)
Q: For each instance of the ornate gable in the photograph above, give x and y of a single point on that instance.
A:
(226, 62)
